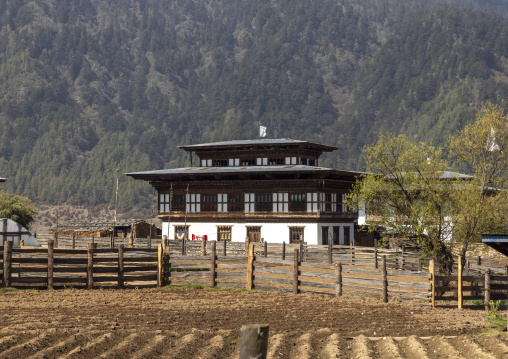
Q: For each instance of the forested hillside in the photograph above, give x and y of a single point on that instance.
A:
(89, 87)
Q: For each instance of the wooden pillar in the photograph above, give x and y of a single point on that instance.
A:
(73, 239)
(385, 279)
(330, 260)
(284, 250)
(51, 244)
(213, 266)
(338, 283)
(254, 341)
(265, 249)
(459, 283)
(203, 248)
(295, 271)
(250, 268)
(89, 272)
(7, 262)
(160, 266)
(121, 283)
(432, 275)
(131, 240)
(487, 289)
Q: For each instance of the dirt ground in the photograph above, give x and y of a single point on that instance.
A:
(204, 323)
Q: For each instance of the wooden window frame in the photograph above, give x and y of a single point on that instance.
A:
(224, 233)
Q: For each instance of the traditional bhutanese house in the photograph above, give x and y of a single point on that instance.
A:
(139, 228)
(270, 188)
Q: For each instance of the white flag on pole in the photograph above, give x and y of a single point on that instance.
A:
(262, 131)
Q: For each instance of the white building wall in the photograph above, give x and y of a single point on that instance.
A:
(270, 232)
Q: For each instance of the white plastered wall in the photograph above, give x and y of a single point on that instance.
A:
(270, 232)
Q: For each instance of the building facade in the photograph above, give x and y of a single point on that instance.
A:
(271, 190)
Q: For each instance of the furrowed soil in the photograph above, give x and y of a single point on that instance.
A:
(205, 323)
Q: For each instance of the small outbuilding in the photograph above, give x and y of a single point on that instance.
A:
(14, 232)
(122, 228)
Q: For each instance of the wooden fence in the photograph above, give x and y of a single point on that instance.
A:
(211, 264)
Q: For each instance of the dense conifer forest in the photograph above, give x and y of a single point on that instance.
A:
(92, 87)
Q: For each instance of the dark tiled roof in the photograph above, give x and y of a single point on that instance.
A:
(255, 143)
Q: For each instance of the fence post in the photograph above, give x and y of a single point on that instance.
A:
(121, 283)
(213, 273)
(459, 283)
(183, 245)
(403, 259)
(338, 283)
(419, 264)
(73, 239)
(51, 244)
(167, 266)
(250, 268)
(487, 289)
(247, 244)
(385, 279)
(432, 277)
(284, 250)
(330, 260)
(7, 262)
(265, 249)
(295, 271)
(131, 240)
(376, 265)
(55, 238)
(111, 240)
(352, 255)
(89, 273)
(203, 248)
(160, 266)
(301, 252)
(224, 250)
(254, 341)
(479, 261)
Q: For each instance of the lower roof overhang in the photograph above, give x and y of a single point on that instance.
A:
(499, 242)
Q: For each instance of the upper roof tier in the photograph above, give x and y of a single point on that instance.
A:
(259, 146)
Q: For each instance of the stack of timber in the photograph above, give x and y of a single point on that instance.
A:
(76, 241)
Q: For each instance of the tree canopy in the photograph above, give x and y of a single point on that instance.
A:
(17, 208)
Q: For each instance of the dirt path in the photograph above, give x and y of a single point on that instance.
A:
(206, 323)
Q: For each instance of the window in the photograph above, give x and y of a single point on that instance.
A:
(254, 234)
(178, 202)
(193, 202)
(262, 161)
(222, 202)
(182, 232)
(312, 202)
(206, 163)
(280, 202)
(209, 202)
(263, 202)
(276, 161)
(248, 161)
(297, 202)
(234, 162)
(234, 202)
(344, 205)
(328, 202)
(296, 234)
(164, 202)
(224, 233)
(324, 235)
(249, 202)
(290, 161)
(219, 163)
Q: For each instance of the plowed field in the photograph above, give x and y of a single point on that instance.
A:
(203, 323)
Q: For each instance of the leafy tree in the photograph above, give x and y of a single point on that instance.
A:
(407, 195)
(481, 150)
(17, 208)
